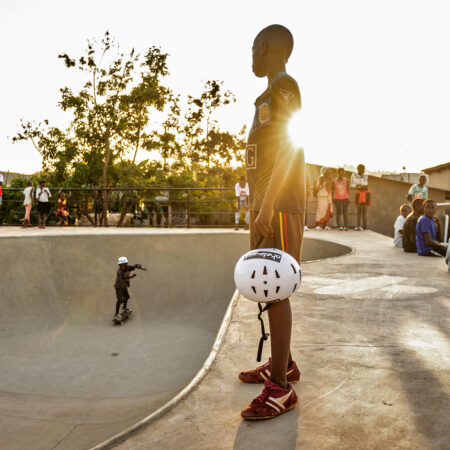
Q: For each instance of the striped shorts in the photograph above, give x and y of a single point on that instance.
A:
(288, 233)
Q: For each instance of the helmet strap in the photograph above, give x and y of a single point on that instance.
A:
(264, 335)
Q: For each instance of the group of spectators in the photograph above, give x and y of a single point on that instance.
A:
(329, 191)
(420, 231)
(42, 194)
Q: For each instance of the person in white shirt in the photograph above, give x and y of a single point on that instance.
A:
(28, 203)
(242, 193)
(42, 195)
(360, 181)
(398, 225)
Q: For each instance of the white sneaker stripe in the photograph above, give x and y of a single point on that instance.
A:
(280, 400)
(290, 371)
(273, 406)
(263, 375)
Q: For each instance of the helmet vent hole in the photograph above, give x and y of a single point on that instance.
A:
(277, 274)
(278, 288)
(295, 287)
(265, 270)
(253, 289)
(253, 274)
(293, 268)
(266, 292)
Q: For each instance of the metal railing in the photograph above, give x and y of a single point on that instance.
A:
(165, 206)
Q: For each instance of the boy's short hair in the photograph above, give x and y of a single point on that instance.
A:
(361, 166)
(417, 202)
(402, 206)
(426, 202)
(282, 35)
(42, 182)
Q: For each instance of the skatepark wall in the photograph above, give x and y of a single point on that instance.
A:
(70, 278)
(69, 378)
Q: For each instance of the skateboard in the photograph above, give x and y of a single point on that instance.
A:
(123, 316)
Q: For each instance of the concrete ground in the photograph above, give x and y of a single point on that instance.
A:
(69, 379)
(371, 336)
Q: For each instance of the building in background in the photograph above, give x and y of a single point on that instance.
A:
(9, 176)
(439, 176)
(407, 177)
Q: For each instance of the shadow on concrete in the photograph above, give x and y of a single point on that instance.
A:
(277, 434)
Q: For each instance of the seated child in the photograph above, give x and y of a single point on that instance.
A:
(123, 282)
(426, 232)
(398, 225)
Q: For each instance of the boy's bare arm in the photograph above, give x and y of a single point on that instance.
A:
(429, 240)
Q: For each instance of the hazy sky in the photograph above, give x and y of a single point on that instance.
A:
(374, 75)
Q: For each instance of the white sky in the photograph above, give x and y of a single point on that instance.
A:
(374, 75)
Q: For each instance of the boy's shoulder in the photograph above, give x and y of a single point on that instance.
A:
(286, 88)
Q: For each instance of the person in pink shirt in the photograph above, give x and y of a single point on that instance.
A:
(341, 198)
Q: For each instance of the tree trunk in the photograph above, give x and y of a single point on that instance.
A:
(137, 144)
(105, 179)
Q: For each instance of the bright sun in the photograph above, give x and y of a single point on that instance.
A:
(296, 130)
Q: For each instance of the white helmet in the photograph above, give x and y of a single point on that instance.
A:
(122, 260)
(267, 274)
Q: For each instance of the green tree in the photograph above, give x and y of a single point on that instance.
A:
(205, 144)
(110, 113)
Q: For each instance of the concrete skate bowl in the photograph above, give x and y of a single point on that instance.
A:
(69, 378)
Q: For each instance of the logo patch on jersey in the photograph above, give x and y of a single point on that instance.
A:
(250, 156)
(263, 113)
(286, 95)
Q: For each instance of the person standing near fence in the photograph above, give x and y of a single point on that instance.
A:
(28, 203)
(363, 199)
(62, 213)
(322, 191)
(42, 195)
(242, 193)
(341, 198)
(1, 189)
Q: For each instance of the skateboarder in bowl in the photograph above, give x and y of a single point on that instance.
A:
(122, 284)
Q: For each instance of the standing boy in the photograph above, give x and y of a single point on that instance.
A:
(42, 195)
(341, 198)
(418, 190)
(363, 199)
(276, 177)
(242, 193)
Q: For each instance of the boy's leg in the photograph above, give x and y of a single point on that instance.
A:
(280, 322)
(358, 207)
(364, 216)
(345, 206)
(288, 229)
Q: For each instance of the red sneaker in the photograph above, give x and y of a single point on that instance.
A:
(273, 401)
(262, 373)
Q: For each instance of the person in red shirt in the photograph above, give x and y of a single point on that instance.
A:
(341, 198)
(62, 213)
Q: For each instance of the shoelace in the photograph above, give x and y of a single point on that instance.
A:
(261, 399)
